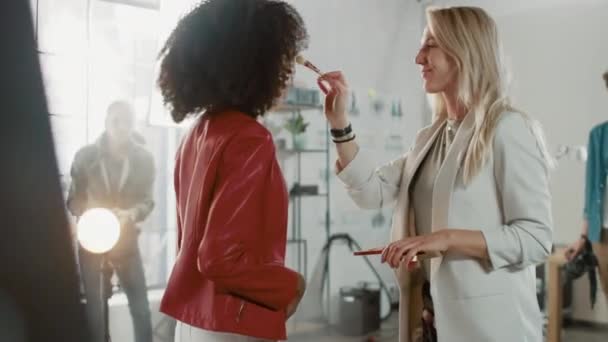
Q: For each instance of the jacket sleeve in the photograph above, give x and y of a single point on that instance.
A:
(592, 172)
(521, 173)
(77, 193)
(372, 188)
(226, 254)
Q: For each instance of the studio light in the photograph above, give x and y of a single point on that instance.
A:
(98, 230)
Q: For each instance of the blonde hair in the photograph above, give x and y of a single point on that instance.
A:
(469, 36)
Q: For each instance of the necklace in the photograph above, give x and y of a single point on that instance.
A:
(450, 131)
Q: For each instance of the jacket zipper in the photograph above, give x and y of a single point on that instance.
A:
(238, 315)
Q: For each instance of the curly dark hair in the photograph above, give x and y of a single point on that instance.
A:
(236, 54)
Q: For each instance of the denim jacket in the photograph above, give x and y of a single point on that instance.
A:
(595, 182)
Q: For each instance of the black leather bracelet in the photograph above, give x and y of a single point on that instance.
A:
(338, 133)
(344, 141)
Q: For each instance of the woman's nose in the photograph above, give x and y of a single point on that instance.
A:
(420, 58)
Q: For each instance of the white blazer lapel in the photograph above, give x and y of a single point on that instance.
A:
(444, 183)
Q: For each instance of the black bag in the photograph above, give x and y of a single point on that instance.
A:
(429, 333)
(584, 262)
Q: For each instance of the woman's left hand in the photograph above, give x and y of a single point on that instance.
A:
(405, 250)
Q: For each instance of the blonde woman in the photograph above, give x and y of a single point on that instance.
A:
(473, 190)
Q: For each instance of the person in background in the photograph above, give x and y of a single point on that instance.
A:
(117, 173)
(472, 193)
(595, 216)
(226, 64)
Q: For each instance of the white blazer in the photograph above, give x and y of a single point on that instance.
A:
(508, 201)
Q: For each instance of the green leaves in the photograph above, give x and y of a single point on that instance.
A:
(296, 125)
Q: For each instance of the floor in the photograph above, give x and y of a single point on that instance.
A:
(320, 333)
(306, 332)
(585, 334)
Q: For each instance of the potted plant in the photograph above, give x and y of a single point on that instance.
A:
(297, 126)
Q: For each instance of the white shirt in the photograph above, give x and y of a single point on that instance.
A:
(187, 333)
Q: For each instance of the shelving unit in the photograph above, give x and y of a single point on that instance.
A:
(299, 155)
(296, 198)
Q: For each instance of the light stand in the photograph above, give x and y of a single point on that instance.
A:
(98, 233)
(105, 286)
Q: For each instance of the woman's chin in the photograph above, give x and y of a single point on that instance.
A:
(431, 90)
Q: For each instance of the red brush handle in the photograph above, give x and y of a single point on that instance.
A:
(368, 252)
(375, 251)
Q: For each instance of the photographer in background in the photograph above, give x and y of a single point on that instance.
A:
(117, 173)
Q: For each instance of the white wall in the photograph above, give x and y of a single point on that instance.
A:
(374, 43)
(558, 51)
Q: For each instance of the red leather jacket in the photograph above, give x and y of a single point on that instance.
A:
(229, 275)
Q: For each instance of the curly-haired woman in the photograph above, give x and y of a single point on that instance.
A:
(226, 63)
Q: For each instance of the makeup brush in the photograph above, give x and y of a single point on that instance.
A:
(375, 251)
(304, 62)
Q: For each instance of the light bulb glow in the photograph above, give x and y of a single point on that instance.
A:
(98, 230)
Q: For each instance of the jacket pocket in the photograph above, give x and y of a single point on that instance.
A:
(462, 278)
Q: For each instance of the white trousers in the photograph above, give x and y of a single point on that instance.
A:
(187, 333)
